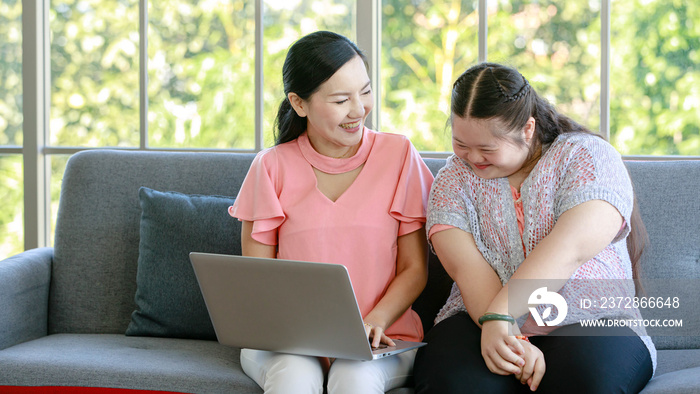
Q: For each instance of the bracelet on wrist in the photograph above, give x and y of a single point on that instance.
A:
(522, 337)
(489, 316)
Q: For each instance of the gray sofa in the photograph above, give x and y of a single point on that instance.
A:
(64, 311)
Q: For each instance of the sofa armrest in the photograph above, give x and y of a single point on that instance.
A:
(24, 296)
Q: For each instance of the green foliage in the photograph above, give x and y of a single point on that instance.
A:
(201, 74)
(11, 194)
(425, 46)
(11, 191)
(655, 72)
(556, 46)
(94, 73)
(10, 72)
(655, 97)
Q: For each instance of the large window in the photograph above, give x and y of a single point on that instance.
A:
(650, 93)
(185, 74)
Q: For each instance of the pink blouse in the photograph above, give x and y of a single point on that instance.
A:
(359, 230)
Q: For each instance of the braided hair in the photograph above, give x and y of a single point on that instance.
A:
(494, 91)
(511, 97)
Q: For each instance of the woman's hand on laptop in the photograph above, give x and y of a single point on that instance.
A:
(376, 336)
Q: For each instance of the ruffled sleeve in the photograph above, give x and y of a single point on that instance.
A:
(594, 170)
(411, 196)
(258, 199)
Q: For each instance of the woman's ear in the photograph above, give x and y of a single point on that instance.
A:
(529, 130)
(298, 104)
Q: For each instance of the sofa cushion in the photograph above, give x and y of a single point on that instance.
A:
(168, 299)
(117, 361)
(686, 381)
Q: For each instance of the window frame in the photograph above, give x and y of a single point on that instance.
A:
(36, 150)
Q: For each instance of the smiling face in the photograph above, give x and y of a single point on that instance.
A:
(475, 142)
(337, 111)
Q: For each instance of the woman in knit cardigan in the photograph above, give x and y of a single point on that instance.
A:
(534, 203)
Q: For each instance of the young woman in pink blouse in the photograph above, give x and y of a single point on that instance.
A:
(333, 191)
(530, 198)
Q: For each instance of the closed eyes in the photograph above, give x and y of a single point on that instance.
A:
(365, 93)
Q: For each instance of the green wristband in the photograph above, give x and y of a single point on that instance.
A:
(496, 316)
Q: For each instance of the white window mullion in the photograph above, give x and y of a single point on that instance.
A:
(36, 95)
(368, 27)
(259, 99)
(143, 74)
(483, 30)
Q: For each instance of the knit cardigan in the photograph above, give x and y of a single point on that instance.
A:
(575, 168)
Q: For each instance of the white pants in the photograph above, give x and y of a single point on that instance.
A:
(292, 374)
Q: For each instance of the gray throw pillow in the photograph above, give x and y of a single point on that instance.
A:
(169, 302)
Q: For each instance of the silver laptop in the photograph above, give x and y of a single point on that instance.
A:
(285, 306)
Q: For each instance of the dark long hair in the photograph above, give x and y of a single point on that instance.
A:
(310, 62)
(491, 91)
